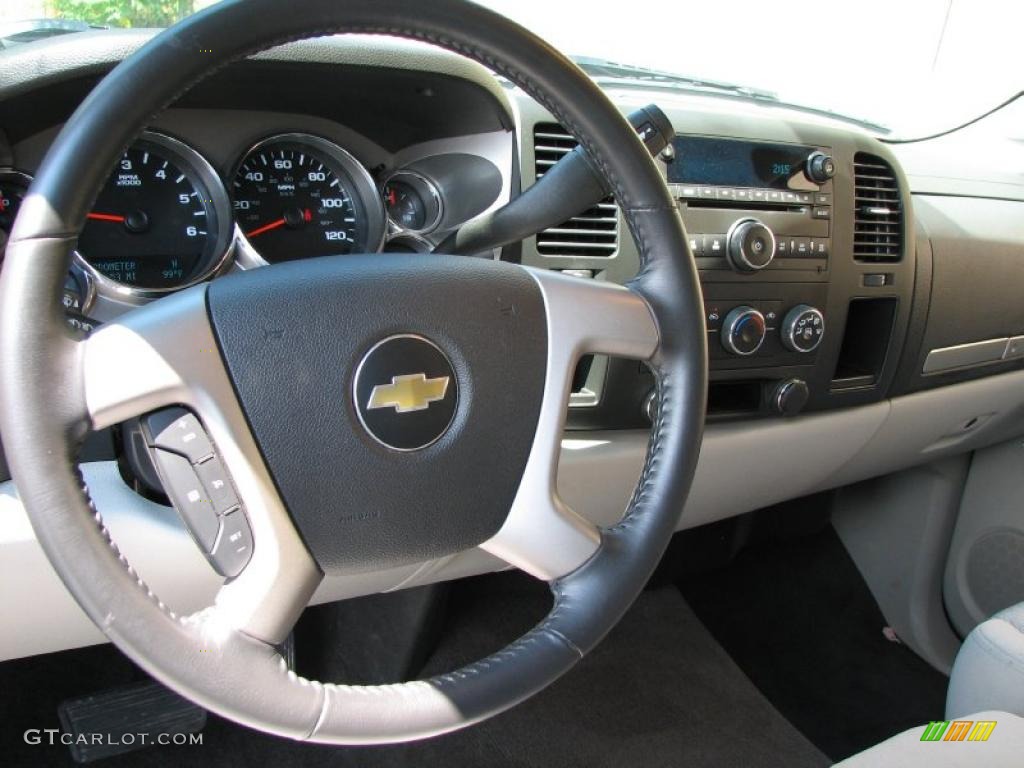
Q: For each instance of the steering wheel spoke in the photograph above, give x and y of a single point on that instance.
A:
(165, 354)
(542, 534)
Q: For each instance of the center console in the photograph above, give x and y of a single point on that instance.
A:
(764, 210)
(803, 236)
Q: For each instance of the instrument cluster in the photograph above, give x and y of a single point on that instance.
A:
(165, 219)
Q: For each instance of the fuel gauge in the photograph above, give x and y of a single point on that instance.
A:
(413, 202)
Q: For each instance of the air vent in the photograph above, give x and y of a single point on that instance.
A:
(592, 233)
(878, 217)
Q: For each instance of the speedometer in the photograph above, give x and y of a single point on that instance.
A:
(297, 196)
(160, 222)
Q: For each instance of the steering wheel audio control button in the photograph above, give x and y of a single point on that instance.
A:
(177, 430)
(217, 484)
(234, 545)
(190, 499)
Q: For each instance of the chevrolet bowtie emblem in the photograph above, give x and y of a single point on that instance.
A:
(413, 392)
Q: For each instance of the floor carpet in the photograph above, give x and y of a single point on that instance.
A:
(800, 621)
(659, 691)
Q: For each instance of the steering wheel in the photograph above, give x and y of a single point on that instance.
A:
(271, 361)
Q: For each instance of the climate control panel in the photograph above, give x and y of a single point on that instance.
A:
(766, 325)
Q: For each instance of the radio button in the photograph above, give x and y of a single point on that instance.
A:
(707, 192)
(805, 197)
(743, 194)
(726, 193)
(774, 196)
(820, 167)
(751, 245)
(688, 192)
(759, 195)
(790, 197)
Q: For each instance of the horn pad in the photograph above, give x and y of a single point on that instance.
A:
(394, 397)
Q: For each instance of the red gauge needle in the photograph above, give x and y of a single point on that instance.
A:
(266, 227)
(105, 217)
(307, 216)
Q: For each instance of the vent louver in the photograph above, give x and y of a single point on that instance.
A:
(594, 232)
(878, 212)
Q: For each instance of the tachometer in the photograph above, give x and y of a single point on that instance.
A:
(161, 221)
(297, 196)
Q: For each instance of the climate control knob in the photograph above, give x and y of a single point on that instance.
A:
(743, 331)
(750, 245)
(803, 328)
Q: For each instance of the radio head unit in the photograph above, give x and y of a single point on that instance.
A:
(738, 163)
(751, 206)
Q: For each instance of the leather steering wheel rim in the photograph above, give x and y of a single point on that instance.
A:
(46, 408)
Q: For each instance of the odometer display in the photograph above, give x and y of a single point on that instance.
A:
(154, 225)
(297, 197)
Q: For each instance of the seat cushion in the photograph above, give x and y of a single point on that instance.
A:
(989, 669)
(1003, 748)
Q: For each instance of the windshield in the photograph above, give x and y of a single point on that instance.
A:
(908, 68)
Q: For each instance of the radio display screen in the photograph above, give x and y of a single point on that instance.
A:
(738, 163)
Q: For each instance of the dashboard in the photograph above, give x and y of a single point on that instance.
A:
(860, 296)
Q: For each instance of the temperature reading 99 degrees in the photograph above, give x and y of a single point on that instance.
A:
(294, 199)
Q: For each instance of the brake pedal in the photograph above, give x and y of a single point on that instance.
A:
(126, 719)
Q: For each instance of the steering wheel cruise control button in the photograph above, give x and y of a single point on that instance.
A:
(177, 430)
(234, 545)
(217, 484)
(186, 492)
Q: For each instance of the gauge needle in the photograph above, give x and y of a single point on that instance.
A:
(266, 227)
(105, 217)
(305, 213)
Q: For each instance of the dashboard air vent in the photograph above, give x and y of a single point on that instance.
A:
(594, 232)
(878, 215)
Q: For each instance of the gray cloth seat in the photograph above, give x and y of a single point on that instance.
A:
(989, 669)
